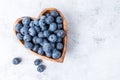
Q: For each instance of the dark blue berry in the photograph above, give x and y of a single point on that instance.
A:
(36, 22)
(53, 27)
(59, 46)
(41, 68)
(35, 48)
(26, 20)
(59, 39)
(40, 34)
(59, 26)
(46, 33)
(42, 22)
(32, 31)
(37, 28)
(34, 39)
(60, 33)
(28, 45)
(43, 17)
(52, 38)
(47, 47)
(38, 62)
(49, 19)
(24, 30)
(56, 54)
(27, 38)
(59, 19)
(16, 61)
(19, 36)
(39, 40)
(18, 27)
(48, 54)
(31, 24)
(40, 51)
(54, 13)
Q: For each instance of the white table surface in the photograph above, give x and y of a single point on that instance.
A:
(93, 51)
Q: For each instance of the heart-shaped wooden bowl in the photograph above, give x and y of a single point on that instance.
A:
(61, 59)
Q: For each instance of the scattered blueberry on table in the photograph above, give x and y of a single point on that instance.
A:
(37, 62)
(43, 36)
(16, 60)
(41, 68)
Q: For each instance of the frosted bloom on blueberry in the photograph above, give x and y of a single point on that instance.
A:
(19, 36)
(24, 30)
(54, 13)
(52, 38)
(27, 38)
(18, 27)
(53, 27)
(56, 54)
(26, 20)
(49, 19)
(35, 48)
(32, 31)
(28, 45)
(59, 19)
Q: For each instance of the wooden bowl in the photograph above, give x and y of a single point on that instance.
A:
(61, 59)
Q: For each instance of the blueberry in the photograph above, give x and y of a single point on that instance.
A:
(40, 34)
(32, 31)
(47, 47)
(28, 45)
(53, 27)
(59, 40)
(45, 40)
(26, 26)
(27, 38)
(19, 36)
(54, 13)
(16, 60)
(59, 26)
(48, 54)
(26, 20)
(56, 54)
(46, 33)
(41, 68)
(37, 28)
(35, 48)
(43, 27)
(18, 27)
(60, 33)
(39, 40)
(31, 24)
(43, 17)
(59, 46)
(24, 30)
(59, 19)
(52, 38)
(40, 51)
(52, 45)
(34, 39)
(38, 62)
(42, 22)
(49, 19)
(47, 14)
(36, 22)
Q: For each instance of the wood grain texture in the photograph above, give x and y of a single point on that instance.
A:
(61, 59)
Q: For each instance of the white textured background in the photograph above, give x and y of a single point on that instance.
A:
(93, 47)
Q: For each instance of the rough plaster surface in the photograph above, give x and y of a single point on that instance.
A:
(93, 51)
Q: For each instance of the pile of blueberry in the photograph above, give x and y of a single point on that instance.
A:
(43, 36)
